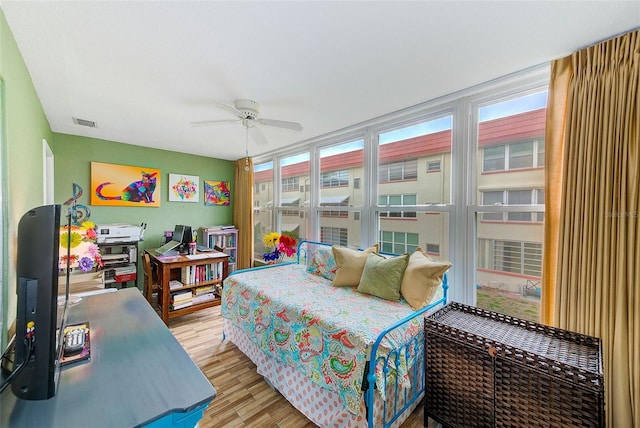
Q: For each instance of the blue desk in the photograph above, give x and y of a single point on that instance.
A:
(138, 374)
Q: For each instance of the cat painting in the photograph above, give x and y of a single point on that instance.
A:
(138, 191)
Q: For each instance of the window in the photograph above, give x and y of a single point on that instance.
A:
(539, 201)
(256, 188)
(514, 156)
(338, 164)
(397, 200)
(398, 242)
(334, 235)
(263, 204)
(289, 184)
(290, 203)
(521, 258)
(398, 171)
(334, 201)
(494, 158)
(508, 221)
(513, 197)
(335, 178)
(433, 166)
(402, 209)
(433, 249)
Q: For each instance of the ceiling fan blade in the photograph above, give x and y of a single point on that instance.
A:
(231, 109)
(257, 135)
(281, 124)
(213, 122)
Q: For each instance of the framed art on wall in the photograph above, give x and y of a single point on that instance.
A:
(217, 193)
(124, 185)
(184, 188)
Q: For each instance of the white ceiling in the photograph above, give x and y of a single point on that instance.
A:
(144, 69)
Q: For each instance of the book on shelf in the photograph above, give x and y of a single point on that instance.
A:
(175, 306)
(194, 274)
(174, 283)
(204, 289)
(202, 298)
(181, 296)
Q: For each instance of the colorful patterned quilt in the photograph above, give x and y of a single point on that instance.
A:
(325, 331)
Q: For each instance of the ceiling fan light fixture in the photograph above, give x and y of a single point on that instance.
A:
(248, 108)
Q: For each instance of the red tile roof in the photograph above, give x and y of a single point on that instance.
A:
(511, 128)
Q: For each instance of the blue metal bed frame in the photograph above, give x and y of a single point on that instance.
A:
(418, 370)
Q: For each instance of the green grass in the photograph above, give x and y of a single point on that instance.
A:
(508, 303)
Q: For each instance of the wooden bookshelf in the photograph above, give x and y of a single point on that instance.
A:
(174, 268)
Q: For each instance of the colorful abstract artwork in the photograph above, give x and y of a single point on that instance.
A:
(184, 188)
(217, 193)
(123, 185)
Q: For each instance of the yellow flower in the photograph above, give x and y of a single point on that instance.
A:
(76, 239)
(271, 239)
(88, 225)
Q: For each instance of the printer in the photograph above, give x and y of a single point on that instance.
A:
(114, 233)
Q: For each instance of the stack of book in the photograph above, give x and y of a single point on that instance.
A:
(203, 294)
(181, 299)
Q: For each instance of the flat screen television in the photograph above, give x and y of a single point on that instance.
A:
(40, 319)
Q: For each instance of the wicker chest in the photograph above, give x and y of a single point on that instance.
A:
(485, 369)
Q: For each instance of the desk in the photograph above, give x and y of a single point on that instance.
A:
(138, 374)
(171, 267)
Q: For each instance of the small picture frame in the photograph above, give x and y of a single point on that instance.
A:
(217, 193)
(184, 188)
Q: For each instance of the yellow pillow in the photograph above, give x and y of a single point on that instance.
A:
(421, 278)
(350, 265)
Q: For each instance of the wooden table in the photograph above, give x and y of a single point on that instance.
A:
(171, 268)
(138, 374)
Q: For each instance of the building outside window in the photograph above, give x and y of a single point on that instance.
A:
(398, 242)
(397, 200)
(528, 154)
(289, 184)
(517, 257)
(335, 178)
(433, 249)
(433, 166)
(398, 171)
(334, 235)
(513, 197)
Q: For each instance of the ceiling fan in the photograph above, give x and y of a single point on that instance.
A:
(248, 113)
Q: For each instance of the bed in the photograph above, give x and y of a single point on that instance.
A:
(341, 354)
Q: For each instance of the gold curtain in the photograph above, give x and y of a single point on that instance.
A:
(592, 221)
(243, 212)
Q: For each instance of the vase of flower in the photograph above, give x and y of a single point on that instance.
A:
(281, 246)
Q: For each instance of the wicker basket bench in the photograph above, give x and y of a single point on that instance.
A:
(486, 369)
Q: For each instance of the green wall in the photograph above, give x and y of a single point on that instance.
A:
(23, 127)
(73, 156)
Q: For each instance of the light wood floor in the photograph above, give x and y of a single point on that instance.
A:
(243, 398)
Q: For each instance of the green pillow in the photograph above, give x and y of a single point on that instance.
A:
(382, 276)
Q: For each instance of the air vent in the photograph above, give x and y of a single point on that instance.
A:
(83, 122)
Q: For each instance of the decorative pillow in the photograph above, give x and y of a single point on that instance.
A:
(350, 265)
(421, 279)
(323, 263)
(382, 276)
